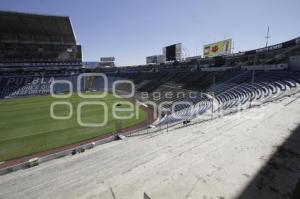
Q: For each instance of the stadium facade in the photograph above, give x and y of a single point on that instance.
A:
(34, 40)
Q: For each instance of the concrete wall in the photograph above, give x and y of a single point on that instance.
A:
(294, 63)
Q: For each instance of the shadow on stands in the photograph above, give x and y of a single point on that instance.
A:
(280, 177)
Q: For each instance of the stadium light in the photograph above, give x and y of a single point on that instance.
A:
(268, 36)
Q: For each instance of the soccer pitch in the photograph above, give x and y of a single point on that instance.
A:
(26, 126)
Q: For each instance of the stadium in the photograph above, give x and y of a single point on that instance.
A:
(225, 125)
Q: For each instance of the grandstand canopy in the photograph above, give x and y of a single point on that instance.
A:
(34, 28)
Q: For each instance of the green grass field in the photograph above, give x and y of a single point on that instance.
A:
(26, 126)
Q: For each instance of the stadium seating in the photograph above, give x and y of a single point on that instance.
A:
(25, 42)
(237, 92)
(20, 86)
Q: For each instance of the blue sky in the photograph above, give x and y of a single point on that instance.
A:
(130, 30)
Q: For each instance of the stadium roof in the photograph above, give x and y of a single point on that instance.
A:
(35, 28)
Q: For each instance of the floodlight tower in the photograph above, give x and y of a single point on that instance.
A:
(268, 37)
